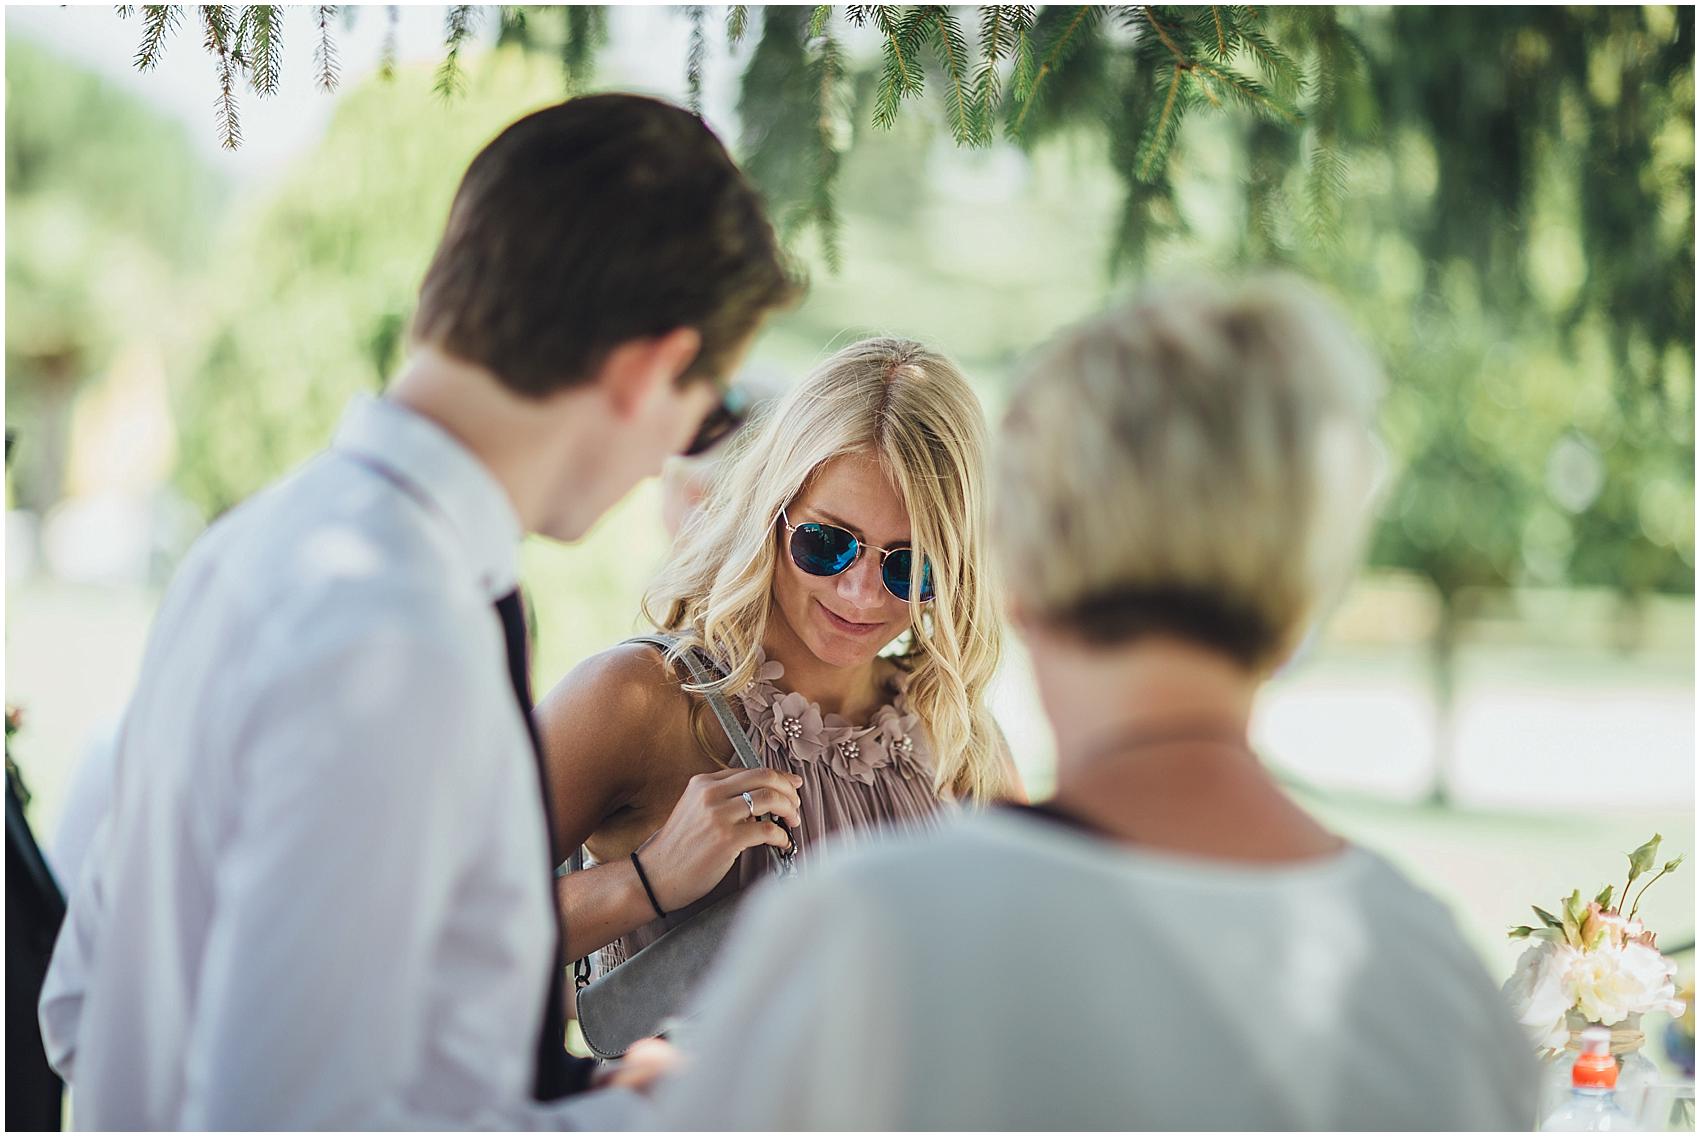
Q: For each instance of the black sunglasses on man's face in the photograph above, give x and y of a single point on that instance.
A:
(719, 424)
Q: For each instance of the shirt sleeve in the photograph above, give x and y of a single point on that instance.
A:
(60, 1011)
(794, 1028)
(354, 817)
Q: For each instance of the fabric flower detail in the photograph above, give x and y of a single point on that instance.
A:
(856, 754)
(797, 726)
(899, 731)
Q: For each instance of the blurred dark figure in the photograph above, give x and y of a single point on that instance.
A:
(34, 910)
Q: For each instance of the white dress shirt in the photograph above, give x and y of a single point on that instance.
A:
(321, 896)
(1014, 973)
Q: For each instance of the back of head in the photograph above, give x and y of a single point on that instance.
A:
(911, 408)
(1198, 462)
(590, 223)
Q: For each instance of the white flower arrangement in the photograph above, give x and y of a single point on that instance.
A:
(1595, 960)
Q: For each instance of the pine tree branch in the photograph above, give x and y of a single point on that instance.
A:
(737, 23)
(818, 20)
(386, 63)
(901, 75)
(1248, 92)
(696, 56)
(952, 51)
(511, 24)
(1156, 25)
(158, 22)
(457, 29)
(1156, 147)
(998, 29)
(586, 29)
(1283, 74)
(1053, 57)
(828, 69)
(859, 14)
(215, 23)
(324, 53)
(240, 37)
(124, 11)
(1221, 36)
(266, 66)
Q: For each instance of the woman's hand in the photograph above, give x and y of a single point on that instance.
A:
(711, 824)
(647, 1062)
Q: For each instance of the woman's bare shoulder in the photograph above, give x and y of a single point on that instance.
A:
(626, 692)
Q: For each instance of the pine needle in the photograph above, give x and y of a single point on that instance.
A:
(1285, 78)
(901, 75)
(961, 107)
(696, 56)
(386, 63)
(1325, 191)
(1248, 93)
(158, 22)
(324, 54)
(215, 22)
(828, 74)
(737, 23)
(1154, 148)
(457, 29)
(586, 29)
(999, 25)
(266, 60)
(1083, 18)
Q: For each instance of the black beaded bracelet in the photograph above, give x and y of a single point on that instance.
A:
(648, 891)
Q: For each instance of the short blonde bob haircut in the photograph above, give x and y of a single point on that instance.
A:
(1199, 462)
(912, 409)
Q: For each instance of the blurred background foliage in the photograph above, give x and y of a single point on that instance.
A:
(1502, 199)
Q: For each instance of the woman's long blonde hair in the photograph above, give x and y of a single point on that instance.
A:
(912, 409)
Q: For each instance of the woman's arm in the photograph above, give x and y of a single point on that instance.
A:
(617, 740)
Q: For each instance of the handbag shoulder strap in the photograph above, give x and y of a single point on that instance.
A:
(700, 669)
(701, 674)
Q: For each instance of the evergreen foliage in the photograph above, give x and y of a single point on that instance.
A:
(1503, 199)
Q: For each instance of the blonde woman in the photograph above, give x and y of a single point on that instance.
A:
(1171, 942)
(836, 576)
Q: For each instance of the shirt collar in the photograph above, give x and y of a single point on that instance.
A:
(436, 468)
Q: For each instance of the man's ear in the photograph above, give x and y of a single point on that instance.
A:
(638, 370)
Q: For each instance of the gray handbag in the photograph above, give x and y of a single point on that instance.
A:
(634, 1000)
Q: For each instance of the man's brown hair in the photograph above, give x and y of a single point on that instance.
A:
(593, 222)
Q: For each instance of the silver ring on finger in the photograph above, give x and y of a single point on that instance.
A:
(750, 802)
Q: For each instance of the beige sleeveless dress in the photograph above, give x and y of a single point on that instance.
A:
(857, 780)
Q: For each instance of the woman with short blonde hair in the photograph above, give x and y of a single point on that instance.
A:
(835, 577)
(1171, 942)
(1206, 459)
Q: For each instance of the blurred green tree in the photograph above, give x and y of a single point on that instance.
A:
(1503, 198)
(96, 232)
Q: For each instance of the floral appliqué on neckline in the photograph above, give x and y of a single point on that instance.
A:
(792, 723)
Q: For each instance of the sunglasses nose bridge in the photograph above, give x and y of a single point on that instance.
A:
(863, 581)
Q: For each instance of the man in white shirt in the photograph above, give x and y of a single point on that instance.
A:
(321, 897)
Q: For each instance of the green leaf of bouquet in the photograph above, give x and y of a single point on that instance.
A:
(1642, 859)
(1521, 932)
(1604, 898)
(1547, 918)
(1574, 911)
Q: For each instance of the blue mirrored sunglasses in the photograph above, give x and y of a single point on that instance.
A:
(827, 550)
